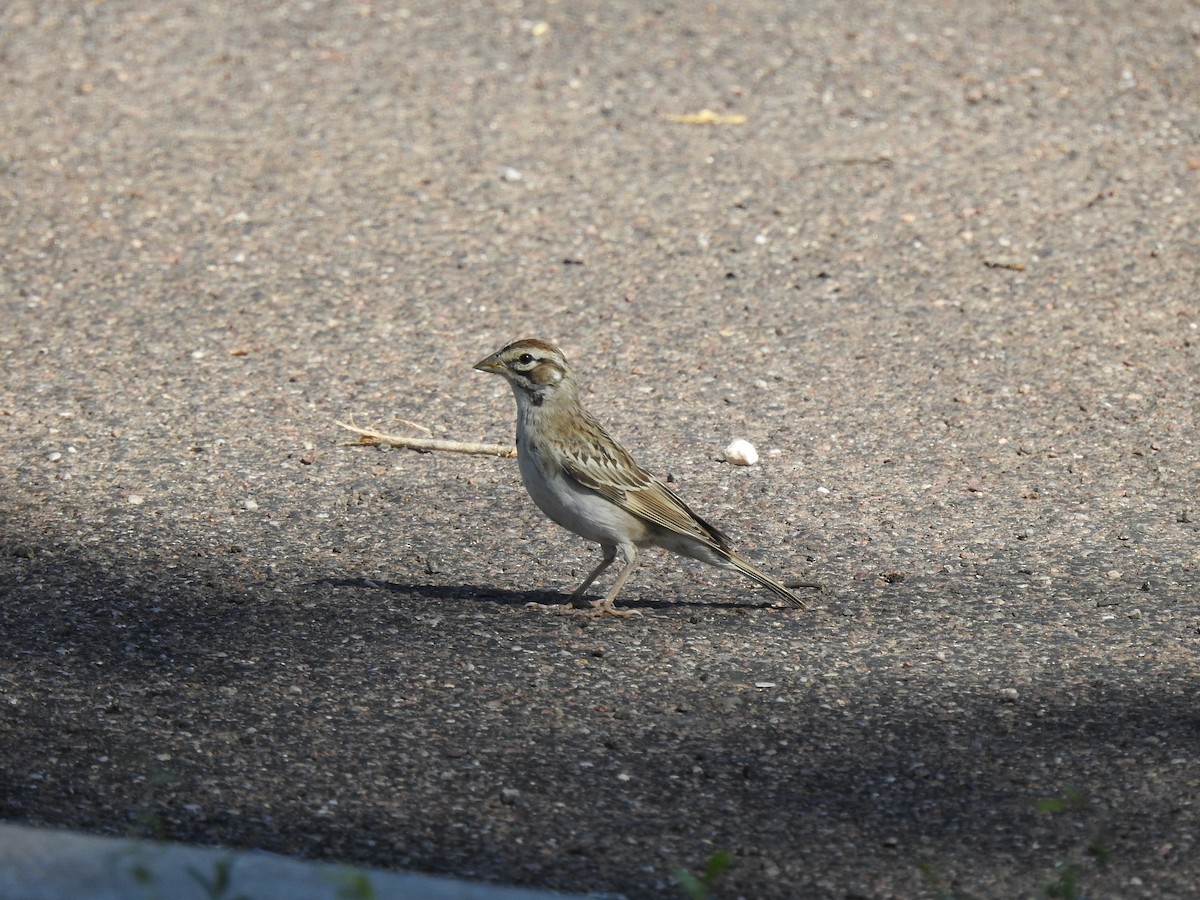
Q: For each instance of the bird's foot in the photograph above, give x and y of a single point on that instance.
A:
(560, 608)
(597, 608)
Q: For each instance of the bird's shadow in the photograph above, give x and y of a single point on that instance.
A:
(480, 593)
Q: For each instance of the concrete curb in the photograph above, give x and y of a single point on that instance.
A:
(48, 864)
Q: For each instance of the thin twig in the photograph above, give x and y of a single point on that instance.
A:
(416, 425)
(371, 437)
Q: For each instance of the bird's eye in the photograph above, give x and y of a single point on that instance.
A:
(525, 359)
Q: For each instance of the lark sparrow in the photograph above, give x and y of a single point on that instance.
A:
(585, 481)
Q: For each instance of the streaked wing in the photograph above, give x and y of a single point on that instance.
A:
(606, 467)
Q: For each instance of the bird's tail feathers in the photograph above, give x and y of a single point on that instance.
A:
(770, 583)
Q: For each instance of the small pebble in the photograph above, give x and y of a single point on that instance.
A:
(249, 504)
(741, 453)
(136, 499)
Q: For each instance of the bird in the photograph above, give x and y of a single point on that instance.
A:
(586, 482)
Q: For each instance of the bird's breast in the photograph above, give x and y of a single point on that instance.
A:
(569, 504)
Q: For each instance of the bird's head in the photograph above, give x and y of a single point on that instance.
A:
(536, 369)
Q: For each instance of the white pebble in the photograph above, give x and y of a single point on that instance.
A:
(136, 499)
(741, 453)
(249, 503)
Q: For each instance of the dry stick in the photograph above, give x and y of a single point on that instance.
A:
(371, 437)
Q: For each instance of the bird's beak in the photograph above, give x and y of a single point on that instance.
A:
(492, 365)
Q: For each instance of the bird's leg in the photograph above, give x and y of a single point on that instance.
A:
(610, 553)
(607, 606)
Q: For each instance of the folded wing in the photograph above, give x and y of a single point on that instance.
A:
(625, 483)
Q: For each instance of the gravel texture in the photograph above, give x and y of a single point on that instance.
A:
(944, 278)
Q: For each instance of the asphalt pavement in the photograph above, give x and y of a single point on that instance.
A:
(936, 262)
